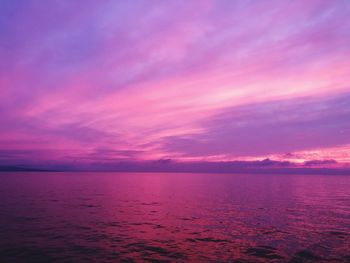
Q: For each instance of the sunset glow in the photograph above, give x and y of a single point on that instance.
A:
(105, 81)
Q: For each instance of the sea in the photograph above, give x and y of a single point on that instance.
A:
(173, 217)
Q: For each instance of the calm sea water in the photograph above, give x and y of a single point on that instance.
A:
(167, 217)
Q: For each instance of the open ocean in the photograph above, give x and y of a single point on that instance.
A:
(167, 217)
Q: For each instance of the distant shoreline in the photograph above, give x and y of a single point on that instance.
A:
(299, 171)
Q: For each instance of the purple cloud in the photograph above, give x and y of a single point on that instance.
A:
(270, 127)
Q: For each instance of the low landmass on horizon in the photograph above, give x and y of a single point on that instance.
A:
(266, 166)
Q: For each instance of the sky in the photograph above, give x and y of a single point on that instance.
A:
(90, 81)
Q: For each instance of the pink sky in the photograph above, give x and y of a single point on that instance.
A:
(102, 81)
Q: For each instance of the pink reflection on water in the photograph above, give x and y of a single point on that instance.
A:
(183, 217)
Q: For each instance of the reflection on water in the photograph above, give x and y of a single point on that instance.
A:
(135, 217)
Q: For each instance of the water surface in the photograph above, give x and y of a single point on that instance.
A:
(166, 217)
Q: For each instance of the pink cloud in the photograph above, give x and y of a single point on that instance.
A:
(118, 80)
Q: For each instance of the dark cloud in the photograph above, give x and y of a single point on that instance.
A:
(271, 127)
(320, 162)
